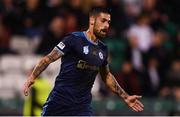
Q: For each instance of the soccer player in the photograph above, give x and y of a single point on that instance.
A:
(83, 55)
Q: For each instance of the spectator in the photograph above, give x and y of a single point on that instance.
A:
(132, 8)
(128, 79)
(76, 10)
(5, 36)
(151, 79)
(172, 85)
(52, 36)
(134, 55)
(54, 8)
(173, 76)
(71, 23)
(32, 18)
(143, 34)
(161, 53)
(9, 11)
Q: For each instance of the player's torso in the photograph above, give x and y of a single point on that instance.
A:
(91, 53)
(84, 55)
(79, 68)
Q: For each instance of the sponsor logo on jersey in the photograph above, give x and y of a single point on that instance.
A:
(61, 45)
(100, 55)
(86, 49)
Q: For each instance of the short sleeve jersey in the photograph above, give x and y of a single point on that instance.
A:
(73, 83)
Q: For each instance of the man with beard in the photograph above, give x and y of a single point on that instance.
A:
(82, 55)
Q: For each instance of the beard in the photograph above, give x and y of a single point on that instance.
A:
(102, 33)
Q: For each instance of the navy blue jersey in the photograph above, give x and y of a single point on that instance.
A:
(79, 66)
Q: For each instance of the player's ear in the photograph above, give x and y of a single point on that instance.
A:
(92, 20)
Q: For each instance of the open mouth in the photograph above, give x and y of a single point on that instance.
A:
(104, 30)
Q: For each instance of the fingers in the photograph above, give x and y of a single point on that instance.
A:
(137, 96)
(138, 106)
(27, 85)
(135, 104)
(137, 101)
(26, 92)
(25, 89)
(135, 109)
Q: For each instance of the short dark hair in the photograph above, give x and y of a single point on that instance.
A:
(97, 10)
(142, 15)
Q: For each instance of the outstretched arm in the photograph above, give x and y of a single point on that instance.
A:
(40, 67)
(110, 81)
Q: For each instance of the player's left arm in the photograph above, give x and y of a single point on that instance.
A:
(132, 101)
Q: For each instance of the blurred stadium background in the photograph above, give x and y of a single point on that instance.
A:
(144, 49)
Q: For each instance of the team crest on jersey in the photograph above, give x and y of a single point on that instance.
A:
(100, 55)
(61, 45)
(86, 49)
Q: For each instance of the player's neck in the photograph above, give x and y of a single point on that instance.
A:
(91, 36)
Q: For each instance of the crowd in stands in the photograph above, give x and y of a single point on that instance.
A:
(143, 41)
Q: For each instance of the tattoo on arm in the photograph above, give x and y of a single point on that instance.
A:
(111, 82)
(115, 87)
(45, 61)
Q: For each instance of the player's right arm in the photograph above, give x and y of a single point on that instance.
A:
(40, 67)
(131, 100)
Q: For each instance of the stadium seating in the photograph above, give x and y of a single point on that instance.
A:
(14, 71)
(24, 45)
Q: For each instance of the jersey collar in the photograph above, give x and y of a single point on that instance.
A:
(89, 39)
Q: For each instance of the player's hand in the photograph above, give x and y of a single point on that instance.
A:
(27, 86)
(134, 103)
